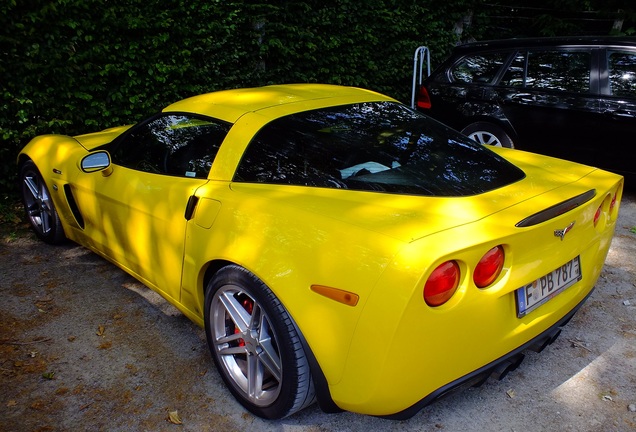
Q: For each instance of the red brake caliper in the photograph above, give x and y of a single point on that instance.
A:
(248, 305)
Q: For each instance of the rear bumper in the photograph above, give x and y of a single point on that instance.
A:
(497, 369)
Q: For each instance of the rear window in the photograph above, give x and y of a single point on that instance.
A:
(478, 68)
(555, 70)
(622, 73)
(380, 146)
(567, 71)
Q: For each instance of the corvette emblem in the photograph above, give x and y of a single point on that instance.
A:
(562, 232)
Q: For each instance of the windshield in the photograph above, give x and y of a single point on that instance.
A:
(378, 146)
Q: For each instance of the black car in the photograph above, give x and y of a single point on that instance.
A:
(573, 98)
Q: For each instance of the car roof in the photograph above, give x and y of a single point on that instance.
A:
(230, 105)
(548, 42)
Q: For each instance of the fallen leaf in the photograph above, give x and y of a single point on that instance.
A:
(100, 330)
(11, 403)
(48, 375)
(510, 393)
(173, 417)
(105, 345)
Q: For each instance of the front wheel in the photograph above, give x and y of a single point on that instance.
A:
(488, 134)
(255, 345)
(39, 206)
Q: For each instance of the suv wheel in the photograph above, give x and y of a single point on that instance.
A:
(488, 134)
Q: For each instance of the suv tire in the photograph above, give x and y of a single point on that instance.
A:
(488, 134)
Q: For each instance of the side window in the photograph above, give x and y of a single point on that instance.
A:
(622, 73)
(479, 68)
(567, 71)
(514, 76)
(174, 144)
(278, 154)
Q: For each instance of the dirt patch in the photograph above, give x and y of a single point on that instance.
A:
(83, 346)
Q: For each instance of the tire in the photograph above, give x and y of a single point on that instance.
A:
(488, 134)
(255, 345)
(39, 206)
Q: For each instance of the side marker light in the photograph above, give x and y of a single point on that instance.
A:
(341, 296)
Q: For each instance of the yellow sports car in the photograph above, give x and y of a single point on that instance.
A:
(335, 245)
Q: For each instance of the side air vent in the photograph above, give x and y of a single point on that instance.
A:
(556, 210)
(73, 206)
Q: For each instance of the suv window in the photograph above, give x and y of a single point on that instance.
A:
(559, 70)
(479, 68)
(622, 73)
(515, 74)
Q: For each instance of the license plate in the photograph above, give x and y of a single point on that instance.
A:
(543, 289)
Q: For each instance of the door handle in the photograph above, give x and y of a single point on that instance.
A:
(522, 97)
(190, 206)
(621, 114)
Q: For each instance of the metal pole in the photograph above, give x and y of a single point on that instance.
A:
(419, 55)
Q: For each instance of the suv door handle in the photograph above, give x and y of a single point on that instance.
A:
(522, 97)
(620, 113)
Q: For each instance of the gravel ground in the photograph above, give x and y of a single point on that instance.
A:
(83, 346)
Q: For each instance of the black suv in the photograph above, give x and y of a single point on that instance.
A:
(573, 98)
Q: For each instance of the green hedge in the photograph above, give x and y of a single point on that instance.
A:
(76, 66)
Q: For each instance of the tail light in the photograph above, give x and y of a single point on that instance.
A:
(423, 99)
(597, 215)
(489, 267)
(613, 202)
(607, 207)
(442, 284)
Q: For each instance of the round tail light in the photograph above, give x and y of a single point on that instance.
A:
(489, 267)
(597, 215)
(442, 284)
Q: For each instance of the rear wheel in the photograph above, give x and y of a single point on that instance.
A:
(39, 206)
(255, 345)
(488, 134)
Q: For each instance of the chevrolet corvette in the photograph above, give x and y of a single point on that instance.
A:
(335, 245)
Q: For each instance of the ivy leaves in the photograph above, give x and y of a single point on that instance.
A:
(76, 66)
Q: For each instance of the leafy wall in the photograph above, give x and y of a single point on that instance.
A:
(75, 66)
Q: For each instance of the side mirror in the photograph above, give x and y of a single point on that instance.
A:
(96, 161)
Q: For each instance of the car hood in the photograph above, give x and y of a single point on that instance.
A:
(548, 182)
(96, 139)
